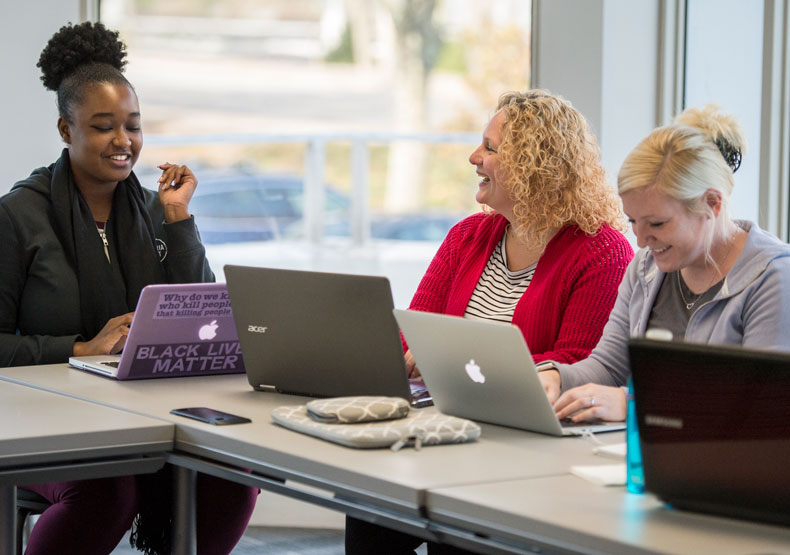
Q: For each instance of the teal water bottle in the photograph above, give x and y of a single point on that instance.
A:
(634, 478)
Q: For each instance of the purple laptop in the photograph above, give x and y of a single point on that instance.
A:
(184, 329)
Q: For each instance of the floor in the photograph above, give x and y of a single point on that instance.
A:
(259, 540)
(265, 540)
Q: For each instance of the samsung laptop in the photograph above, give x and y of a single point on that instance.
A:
(483, 371)
(177, 330)
(714, 426)
(319, 334)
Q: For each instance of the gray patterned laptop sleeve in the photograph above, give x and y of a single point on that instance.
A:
(414, 429)
(350, 410)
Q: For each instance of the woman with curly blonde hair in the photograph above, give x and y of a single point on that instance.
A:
(550, 160)
(545, 254)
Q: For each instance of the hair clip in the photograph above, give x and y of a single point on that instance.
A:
(731, 154)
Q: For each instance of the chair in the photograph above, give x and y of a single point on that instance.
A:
(27, 503)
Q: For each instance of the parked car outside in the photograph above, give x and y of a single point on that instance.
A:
(245, 206)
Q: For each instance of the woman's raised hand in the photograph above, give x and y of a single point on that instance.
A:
(176, 187)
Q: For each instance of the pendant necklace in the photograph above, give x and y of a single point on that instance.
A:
(690, 304)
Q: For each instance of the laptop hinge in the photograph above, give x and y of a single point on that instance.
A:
(269, 388)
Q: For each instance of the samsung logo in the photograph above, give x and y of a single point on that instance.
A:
(664, 421)
(257, 329)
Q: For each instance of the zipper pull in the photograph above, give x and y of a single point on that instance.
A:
(103, 235)
(398, 444)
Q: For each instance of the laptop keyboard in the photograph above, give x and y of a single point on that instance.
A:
(112, 363)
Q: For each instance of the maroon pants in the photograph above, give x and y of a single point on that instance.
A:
(90, 517)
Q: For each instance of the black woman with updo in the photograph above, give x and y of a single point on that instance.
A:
(80, 239)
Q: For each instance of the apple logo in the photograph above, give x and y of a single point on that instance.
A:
(209, 331)
(474, 372)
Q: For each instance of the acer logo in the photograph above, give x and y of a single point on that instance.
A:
(257, 329)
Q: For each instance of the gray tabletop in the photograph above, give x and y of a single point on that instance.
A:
(399, 480)
(510, 485)
(568, 513)
(38, 427)
(46, 436)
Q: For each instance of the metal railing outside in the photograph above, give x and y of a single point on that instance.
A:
(315, 165)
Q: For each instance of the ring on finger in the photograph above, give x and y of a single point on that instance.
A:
(592, 401)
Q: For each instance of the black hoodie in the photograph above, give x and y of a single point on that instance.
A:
(39, 289)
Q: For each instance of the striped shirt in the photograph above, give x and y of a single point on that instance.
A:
(499, 289)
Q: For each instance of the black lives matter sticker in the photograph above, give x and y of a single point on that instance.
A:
(189, 358)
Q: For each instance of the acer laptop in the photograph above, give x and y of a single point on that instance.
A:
(319, 334)
(483, 371)
(714, 427)
(177, 330)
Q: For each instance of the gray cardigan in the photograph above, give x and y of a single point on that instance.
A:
(751, 309)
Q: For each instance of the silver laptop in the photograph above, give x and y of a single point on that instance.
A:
(484, 371)
(183, 329)
(319, 334)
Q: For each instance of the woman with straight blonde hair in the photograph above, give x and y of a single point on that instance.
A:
(699, 274)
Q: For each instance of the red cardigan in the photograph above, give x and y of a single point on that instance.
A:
(564, 309)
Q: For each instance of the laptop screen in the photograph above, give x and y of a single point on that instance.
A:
(714, 427)
(317, 333)
(177, 330)
(188, 328)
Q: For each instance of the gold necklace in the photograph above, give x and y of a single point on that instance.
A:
(690, 305)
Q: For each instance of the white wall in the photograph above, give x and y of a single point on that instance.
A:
(629, 78)
(27, 110)
(602, 55)
(567, 53)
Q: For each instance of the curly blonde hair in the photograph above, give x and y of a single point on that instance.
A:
(550, 161)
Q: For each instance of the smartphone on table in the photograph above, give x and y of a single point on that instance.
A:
(210, 416)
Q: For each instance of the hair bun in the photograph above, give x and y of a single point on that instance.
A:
(722, 129)
(76, 45)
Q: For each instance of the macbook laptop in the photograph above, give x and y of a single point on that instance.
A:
(483, 371)
(177, 330)
(714, 427)
(319, 334)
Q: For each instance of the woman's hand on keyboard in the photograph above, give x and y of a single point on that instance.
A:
(591, 402)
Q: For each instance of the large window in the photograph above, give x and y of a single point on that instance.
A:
(327, 134)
